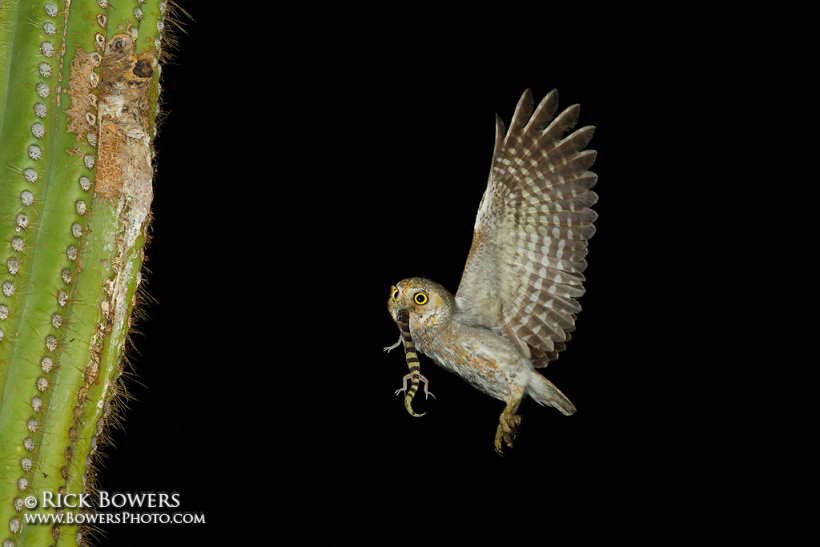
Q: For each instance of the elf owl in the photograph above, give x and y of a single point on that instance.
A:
(518, 298)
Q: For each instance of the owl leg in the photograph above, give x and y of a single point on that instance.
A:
(508, 423)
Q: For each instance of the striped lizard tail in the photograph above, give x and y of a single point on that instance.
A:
(415, 376)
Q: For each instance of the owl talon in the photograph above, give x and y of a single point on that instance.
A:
(507, 429)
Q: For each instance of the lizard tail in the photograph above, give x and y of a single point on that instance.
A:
(413, 364)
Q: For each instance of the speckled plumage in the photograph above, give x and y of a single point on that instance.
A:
(517, 301)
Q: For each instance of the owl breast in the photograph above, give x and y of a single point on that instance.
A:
(483, 358)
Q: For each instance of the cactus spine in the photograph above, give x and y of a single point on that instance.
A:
(79, 85)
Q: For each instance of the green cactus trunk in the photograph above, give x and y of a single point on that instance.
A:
(79, 83)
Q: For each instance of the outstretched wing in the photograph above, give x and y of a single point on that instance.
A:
(524, 272)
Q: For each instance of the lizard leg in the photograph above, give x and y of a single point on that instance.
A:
(427, 392)
(388, 349)
(404, 384)
(424, 380)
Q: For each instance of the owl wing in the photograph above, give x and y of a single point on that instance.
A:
(524, 274)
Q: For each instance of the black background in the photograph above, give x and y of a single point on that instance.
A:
(306, 163)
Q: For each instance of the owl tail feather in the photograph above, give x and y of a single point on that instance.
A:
(546, 394)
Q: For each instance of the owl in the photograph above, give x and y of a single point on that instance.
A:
(517, 301)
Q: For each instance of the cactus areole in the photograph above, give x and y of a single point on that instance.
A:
(79, 89)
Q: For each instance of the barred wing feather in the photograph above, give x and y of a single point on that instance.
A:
(524, 274)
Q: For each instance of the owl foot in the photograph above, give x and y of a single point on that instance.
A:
(507, 428)
(407, 378)
(388, 349)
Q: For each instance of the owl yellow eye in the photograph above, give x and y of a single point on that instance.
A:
(420, 298)
(395, 295)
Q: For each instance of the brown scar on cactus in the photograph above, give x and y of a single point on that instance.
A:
(124, 123)
(81, 86)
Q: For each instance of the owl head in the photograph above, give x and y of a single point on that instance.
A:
(420, 302)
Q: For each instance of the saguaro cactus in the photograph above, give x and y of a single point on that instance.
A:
(79, 84)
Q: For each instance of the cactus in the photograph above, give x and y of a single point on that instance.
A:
(79, 88)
